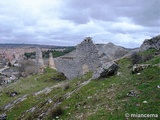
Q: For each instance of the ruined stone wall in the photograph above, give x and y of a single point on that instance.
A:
(67, 66)
(86, 59)
(87, 54)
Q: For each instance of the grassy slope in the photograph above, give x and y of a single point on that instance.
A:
(107, 99)
(104, 99)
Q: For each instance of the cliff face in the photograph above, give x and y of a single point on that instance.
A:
(151, 43)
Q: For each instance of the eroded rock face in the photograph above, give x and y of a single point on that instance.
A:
(109, 52)
(106, 70)
(51, 61)
(151, 43)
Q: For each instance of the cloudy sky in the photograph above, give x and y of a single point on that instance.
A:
(68, 22)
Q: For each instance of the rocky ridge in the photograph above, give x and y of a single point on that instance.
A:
(151, 43)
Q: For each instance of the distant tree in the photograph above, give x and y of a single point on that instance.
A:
(45, 54)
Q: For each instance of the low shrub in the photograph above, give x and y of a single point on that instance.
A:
(56, 111)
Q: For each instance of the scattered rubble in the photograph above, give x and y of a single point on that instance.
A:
(3, 117)
(12, 94)
(132, 93)
(139, 67)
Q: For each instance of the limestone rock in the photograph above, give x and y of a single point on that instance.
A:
(106, 70)
(151, 43)
(51, 61)
(109, 52)
(132, 94)
(39, 61)
(3, 117)
(139, 67)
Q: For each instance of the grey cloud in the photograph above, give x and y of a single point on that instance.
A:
(142, 12)
(123, 22)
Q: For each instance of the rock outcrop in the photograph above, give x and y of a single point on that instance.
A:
(109, 52)
(151, 43)
(39, 61)
(51, 61)
(106, 70)
(139, 67)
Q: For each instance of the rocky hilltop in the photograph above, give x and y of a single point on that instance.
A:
(151, 43)
(109, 52)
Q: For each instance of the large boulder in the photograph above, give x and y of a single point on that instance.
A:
(107, 69)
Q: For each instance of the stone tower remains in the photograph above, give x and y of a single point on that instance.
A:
(39, 61)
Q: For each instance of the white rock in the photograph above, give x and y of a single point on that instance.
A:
(144, 102)
(138, 73)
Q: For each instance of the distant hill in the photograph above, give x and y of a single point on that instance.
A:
(31, 46)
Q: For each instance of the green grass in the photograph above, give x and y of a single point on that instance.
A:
(107, 99)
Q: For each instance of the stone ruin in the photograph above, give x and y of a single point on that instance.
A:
(39, 61)
(86, 59)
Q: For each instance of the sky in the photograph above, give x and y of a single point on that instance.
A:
(67, 22)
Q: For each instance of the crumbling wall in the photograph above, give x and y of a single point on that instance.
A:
(68, 66)
(86, 59)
